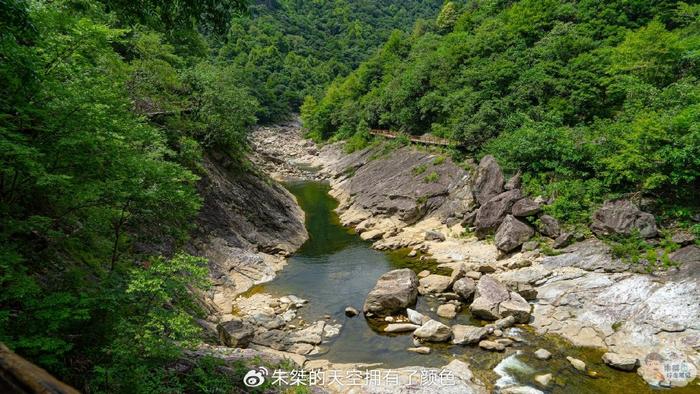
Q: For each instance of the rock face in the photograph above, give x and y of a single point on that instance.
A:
(488, 181)
(491, 214)
(243, 227)
(512, 233)
(404, 194)
(623, 217)
(235, 333)
(433, 331)
(465, 288)
(394, 292)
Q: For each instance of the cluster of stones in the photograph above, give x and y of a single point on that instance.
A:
(277, 326)
(487, 298)
(503, 210)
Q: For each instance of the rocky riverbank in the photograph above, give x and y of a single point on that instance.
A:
(478, 226)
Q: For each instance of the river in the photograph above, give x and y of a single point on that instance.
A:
(335, 269)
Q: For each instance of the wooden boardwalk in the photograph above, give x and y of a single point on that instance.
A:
(418, 139)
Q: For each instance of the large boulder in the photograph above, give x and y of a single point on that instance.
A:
(488, 181)
(468, 335)
(488, 295)
(549, 226)
(434, 283)
(623, 217)
(235, 333)
(512, 233)
(465, 288)
(517, 307)
(394, 292)
(491, 214)
(515, 181)
(493, 301)
(433, 331)
(525, 207)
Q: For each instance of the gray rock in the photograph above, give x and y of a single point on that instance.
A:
(520, 263)
(620, 361)
(488, 295)
(394, 292)
(416, 317)
(434, 236)
(576, 363)
(512, 233)
(467, 335)
(351, 311)
(401, 327)
(549, 226)
(504, 341)
(505, 322)
(623, 217)
(543, 380)
(448, 311)
(487, 268)
(465, 288)
(525, 207)
(488, 181)
(469, 219)
(517, 307)
(683, 238)
(530, 246)
(419, 350)
(434, 284)
(686, 255)
(235, 333)
(491, 214)
(543, 354)
(562, 240)
(492, 346)
(433, 331)
(301, 348)
(515, 181)
(312, 334)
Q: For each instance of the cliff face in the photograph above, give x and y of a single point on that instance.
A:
(246, 226)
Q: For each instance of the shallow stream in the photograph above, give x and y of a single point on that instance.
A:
(335, 269)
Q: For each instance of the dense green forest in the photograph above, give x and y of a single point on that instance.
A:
(287, 50)
(106, 109)
(589, 99)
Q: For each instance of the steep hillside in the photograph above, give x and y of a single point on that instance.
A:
(588, 99)
(287, 49)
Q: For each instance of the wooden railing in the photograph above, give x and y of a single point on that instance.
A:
(425, 139)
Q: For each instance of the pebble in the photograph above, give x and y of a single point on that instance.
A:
(576, 363)
(543, 380)
(543, 354)
(419, 350)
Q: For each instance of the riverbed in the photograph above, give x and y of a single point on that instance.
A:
(335, 269)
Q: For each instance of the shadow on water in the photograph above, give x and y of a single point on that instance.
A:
(335, 269)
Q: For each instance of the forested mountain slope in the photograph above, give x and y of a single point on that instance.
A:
(107, 109)
(589, 99)
(287, 49)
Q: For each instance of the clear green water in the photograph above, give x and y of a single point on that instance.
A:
(335, 268)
